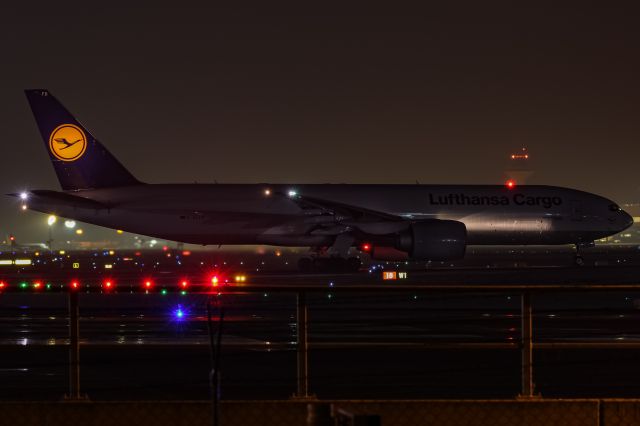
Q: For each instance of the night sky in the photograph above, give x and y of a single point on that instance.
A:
(320, 93)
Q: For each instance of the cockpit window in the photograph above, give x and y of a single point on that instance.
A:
(614, 207)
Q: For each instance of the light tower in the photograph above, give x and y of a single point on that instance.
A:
(519, 168)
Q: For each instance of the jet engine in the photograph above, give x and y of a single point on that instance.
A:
(434, 240)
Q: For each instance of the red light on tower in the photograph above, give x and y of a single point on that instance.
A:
(510, 184)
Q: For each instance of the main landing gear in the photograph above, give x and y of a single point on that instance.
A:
(328, 265)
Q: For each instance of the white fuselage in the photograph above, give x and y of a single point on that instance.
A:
(266, 214)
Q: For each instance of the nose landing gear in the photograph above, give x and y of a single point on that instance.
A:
(579, 260)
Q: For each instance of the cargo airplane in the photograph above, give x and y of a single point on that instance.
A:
(390, 222)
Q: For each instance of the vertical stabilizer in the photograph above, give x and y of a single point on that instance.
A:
(80, 161)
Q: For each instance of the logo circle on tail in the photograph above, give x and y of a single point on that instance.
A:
(67, 142)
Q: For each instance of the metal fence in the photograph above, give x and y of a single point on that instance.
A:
(526, 344)
(529, 409)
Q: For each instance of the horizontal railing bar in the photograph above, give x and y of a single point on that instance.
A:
(339, 345)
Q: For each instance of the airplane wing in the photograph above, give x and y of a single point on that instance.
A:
(332, 218)
(341, 211)
(327, 217)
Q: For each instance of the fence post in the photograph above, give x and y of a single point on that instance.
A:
(74, 347)
(527, 347)
(302, 346)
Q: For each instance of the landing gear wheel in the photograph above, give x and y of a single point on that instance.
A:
(579, 260)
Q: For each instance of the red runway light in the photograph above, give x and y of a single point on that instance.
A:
(37, 285)
(75, 285)
(3, 285)
(108, 285)
(184, 284)
(366, 247)
(148, 284)
(215, 281)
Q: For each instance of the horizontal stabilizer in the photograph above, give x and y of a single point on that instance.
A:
(55, 198)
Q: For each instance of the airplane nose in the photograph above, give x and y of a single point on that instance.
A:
(627, 220)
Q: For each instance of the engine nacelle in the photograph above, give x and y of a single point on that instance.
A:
(434, 240)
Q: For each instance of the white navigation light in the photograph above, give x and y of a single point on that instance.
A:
(24, 196)
(51, 220)
(292, 193)
(70, 224)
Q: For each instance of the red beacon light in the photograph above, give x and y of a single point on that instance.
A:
(215, 281)
(3, 285)
(366, 247)
(510, 184)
